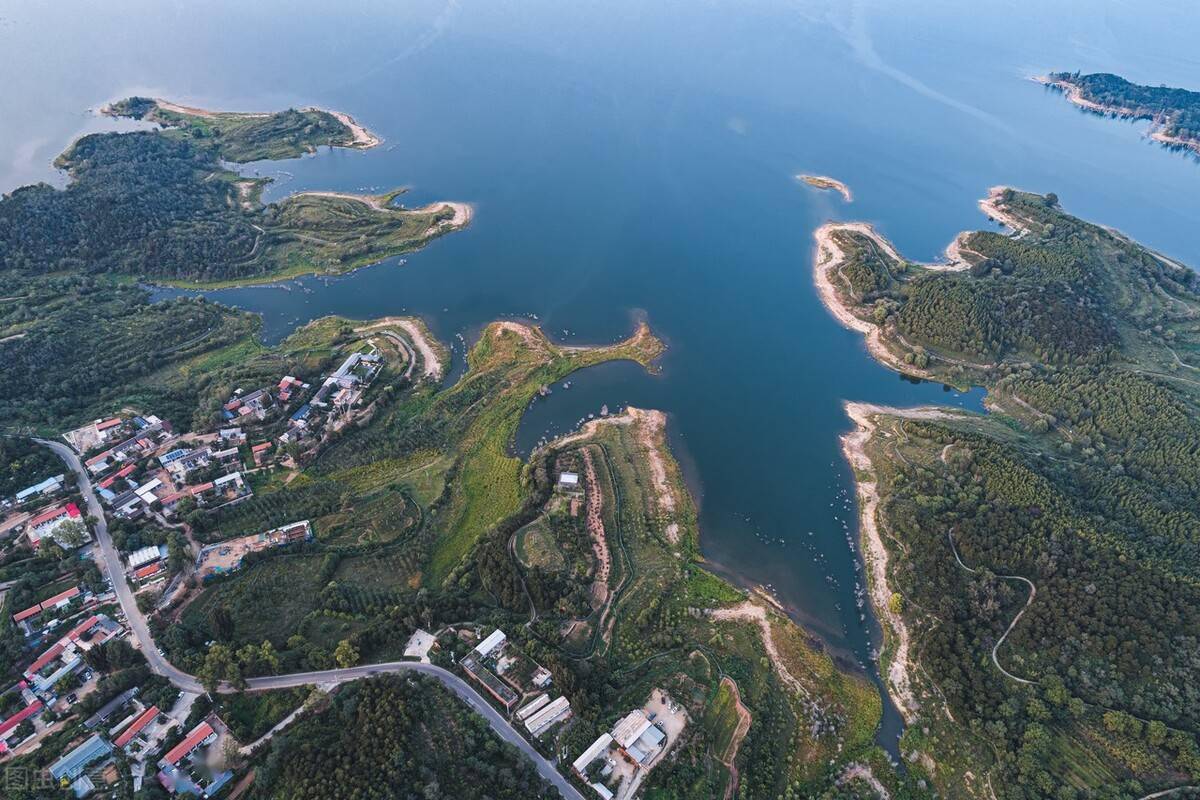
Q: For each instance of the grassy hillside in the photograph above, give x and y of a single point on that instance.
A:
(242, 137)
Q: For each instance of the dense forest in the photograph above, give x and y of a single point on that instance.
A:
(1083, 482)
(74, 345)
(1177, 111)
(23, 463)
(161, 205)
(396, 737)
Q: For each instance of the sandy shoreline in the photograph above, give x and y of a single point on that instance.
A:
(463, 212)
(418, 336)
(1075, 96)
(875, 556)
(363, 139)
(829, 258)
(826, 183)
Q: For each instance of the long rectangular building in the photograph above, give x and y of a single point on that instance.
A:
(559, 710)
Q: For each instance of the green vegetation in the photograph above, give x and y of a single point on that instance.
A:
(24, 463)
(1083, 481)
(242, 137)
(670, 624)
(1175, 111)
(75, 346)
(160, 206)
(391, 732)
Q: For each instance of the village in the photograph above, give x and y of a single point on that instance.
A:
(157, 485)
(63, 618)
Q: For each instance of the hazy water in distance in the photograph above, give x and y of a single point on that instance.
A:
(630, 159)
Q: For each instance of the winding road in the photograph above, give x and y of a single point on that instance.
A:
(188, 683)
(1016, 619)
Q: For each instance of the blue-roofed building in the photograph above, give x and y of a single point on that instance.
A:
(72, 765)
(48, 485)
(301, 413)
(173, 456)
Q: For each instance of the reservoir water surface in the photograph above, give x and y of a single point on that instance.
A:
(631, 160)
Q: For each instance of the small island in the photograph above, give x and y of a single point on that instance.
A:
(828, 184)
(1174, 113)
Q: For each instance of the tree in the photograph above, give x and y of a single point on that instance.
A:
(70, 534)
(222, 623)
(345, 655)
(220, 665)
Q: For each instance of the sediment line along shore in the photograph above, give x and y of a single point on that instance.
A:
(897, 671)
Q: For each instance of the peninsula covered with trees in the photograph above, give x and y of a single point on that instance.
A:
(161, 206)
(1174, 112)
(1035, 567)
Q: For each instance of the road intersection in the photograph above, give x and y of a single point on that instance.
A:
(161, 666)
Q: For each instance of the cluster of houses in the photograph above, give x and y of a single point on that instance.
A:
(140, 731)
(618, 761)
(60, 676)
(54, 680)
(508, 675)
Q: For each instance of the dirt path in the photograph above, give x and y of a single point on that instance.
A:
(418, 338)
(375, 201)
(1016, 619)
(595, 525)
(248, 750)
(651, 435)
(204, 113)
(729, 757)
(756, 614)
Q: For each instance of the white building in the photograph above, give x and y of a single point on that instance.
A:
(491, 643)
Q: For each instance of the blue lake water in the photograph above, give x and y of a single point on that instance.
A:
(629, 159)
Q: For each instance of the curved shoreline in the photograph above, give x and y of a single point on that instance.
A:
(1075, 96)
(897, 671)
(363, 139)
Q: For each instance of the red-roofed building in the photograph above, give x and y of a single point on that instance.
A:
(126, 471)
(45, 523)
(32, 611)
(44, 659)
(107, 482)
(98, 463)
(108, 423)
(260, 450)
(16, 719)
(199, 735)
(82, 628)
(135, 727)
(145, 572)
(61, 598)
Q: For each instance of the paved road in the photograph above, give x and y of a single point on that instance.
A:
(116, 573)
(188, 683)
